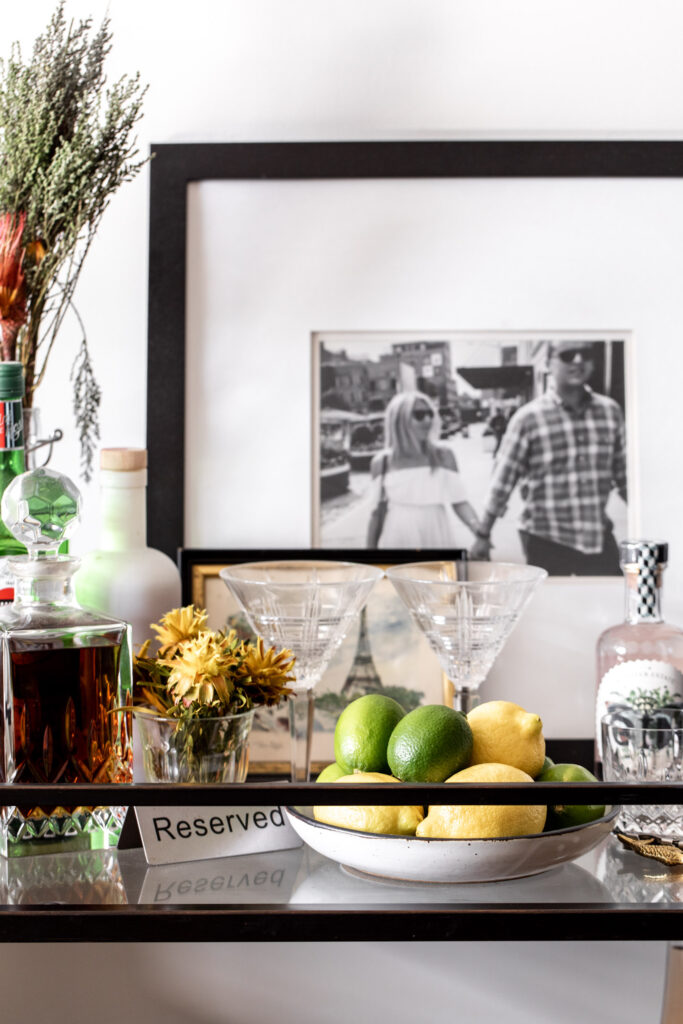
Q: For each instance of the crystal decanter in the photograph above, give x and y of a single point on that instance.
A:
(65, 680)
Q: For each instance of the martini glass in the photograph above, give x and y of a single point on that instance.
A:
(466, 610)
(308, 607)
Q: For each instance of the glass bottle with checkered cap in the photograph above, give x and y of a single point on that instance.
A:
(639, 661)
(61, 680)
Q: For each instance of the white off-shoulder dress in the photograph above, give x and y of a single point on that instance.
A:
(419, 512)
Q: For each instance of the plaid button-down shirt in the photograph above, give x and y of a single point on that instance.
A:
(567, 463)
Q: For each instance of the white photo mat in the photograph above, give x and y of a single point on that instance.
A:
(296, 257)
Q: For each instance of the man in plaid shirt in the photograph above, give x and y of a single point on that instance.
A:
(567, 451)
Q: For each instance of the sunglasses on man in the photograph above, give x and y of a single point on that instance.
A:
(569, 355)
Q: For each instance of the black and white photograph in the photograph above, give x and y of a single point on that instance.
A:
(511, 444)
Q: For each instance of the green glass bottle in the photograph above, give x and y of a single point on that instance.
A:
(12, 460)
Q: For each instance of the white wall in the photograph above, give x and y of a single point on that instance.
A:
(340, 69)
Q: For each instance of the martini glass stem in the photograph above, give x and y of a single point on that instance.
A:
(301, 708)
(465, 698)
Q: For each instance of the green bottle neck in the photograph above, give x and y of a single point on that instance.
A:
(12, 461)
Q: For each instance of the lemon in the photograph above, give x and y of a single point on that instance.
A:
(362, 733)
(331, 773)
(566, 815)
(470, 821)
(429, 744)
(399, 821)
(504, 733)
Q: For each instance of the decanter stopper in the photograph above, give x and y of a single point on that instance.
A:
(41, 509)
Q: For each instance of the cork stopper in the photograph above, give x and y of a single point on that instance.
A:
(123, 459)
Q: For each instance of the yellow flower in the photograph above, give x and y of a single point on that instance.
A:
(205, 673)
(199, 669)
(265, 673)
(177, 626)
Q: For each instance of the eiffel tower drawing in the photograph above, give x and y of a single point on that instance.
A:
(363, 677)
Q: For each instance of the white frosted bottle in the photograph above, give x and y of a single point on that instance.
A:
(124, 577)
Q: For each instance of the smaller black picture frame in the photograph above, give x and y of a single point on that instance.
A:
(189, 559)
(193, 563)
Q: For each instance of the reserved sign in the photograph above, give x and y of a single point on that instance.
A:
(173, 834)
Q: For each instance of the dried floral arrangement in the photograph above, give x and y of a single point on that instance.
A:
(201, 673)
(66, 145)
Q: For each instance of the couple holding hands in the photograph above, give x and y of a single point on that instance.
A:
(566, 450)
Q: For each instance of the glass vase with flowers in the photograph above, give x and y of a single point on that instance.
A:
(195, 698)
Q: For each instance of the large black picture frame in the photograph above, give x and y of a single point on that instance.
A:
(176, 165)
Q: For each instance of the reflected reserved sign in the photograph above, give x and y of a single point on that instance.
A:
(174, 834)
(256, 878)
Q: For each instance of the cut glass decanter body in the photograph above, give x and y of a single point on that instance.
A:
(65, 676)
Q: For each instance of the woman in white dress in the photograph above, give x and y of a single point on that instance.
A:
(419, 480)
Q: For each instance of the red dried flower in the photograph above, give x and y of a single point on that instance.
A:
(12, 281)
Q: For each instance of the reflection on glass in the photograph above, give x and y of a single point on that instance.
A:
(254, 878)
(90, 876)
(631, 878)
(327, 882)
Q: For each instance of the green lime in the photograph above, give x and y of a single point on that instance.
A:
(430, 744)
(331, 773)
(566, 815)
(362, 733)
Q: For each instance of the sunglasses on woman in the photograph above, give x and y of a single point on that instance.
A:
(422, 414)
(568, 355)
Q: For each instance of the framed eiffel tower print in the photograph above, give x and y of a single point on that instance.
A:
(384, 653)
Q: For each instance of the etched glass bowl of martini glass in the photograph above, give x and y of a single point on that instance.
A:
(466, 611)
(308, 607)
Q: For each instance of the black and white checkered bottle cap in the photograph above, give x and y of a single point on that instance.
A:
(647, 557)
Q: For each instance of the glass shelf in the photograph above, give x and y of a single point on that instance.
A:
(299, 895)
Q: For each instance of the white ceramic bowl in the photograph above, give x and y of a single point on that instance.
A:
(448, 860)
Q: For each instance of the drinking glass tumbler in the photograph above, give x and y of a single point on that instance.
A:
(640, 753)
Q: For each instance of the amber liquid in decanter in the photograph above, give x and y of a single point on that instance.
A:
(65, 722)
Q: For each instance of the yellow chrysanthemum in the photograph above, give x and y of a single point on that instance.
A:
(200, 670)
(177, 626)
(265, 673)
